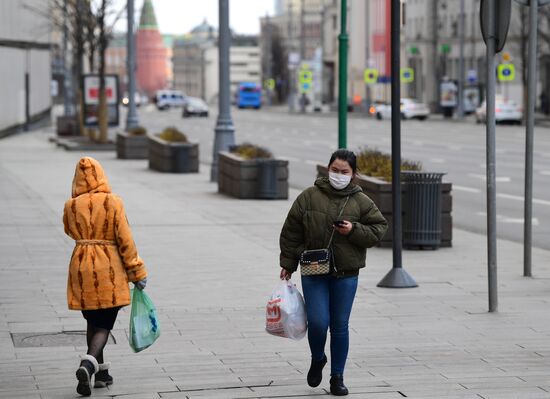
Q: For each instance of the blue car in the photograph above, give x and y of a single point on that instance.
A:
(249, 96)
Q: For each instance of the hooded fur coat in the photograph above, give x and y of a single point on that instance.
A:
(105, 258)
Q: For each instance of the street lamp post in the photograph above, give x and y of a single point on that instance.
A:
(225, 131)
(131, 117)
(68, 99)
(343, 77)
(462, 27)
(397, 277)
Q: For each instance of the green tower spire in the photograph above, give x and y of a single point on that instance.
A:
(148, 20)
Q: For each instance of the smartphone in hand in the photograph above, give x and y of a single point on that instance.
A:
(339, 223)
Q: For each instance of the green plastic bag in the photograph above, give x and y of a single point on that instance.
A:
(144, 323)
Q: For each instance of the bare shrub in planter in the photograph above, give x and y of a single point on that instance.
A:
(132, 144)
(170, 151)
(249, 171)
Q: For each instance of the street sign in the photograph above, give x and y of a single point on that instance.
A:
(503, 10)
(305, 76)
(370, 75)
(269, 84)
(305, 87)
(90, 88)
(472, 76)
(506, 72)
(407, 75)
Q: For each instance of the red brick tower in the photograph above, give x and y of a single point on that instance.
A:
(150, 53)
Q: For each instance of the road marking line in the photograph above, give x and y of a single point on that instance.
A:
(291, 159)
(506, 219)
(545, 172)
(501, 179)
(454, 147)
(438, 160)
(520, 198)
(467, 189)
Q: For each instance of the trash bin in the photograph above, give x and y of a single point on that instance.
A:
(422, 209)
(268, 178)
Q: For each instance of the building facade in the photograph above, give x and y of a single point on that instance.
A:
(196, 62)
(433, 48)
(25, 65)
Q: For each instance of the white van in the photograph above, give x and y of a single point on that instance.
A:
(169, 98)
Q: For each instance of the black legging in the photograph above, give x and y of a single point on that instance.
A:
(96, 339)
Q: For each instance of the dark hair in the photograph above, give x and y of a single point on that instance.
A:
(345, 155)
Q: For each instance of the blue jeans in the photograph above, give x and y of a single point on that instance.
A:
(328, 304)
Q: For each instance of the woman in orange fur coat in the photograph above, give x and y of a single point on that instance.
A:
(104, 260)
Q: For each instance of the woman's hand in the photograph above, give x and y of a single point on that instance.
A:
(345, 228)
(285, 274)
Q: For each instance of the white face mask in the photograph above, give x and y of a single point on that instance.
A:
(338, 181)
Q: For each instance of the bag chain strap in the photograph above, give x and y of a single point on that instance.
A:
(333, 228)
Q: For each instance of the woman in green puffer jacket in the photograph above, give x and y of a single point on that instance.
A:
(329, 297)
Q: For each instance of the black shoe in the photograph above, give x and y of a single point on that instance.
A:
(337, 387)
(315, 373)
(88, 367)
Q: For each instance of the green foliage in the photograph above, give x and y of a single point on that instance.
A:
(251, 151)
(137, 131)
(172, 134)
(378, 164)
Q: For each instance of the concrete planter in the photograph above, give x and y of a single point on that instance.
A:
(67, 126)
(173, 157)
(253, 178)
(380, 191)
(131, 147)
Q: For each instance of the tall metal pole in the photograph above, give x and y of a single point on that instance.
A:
(529, 134)
(491, 160)
(323, 20)
(462, 27)
(367, 54)
(302, 50)
(291, 74)
(131, 117)
(397, 277)
(68, 99)
(343, 77)
(269, 66)
(435, 60)
(225, 132)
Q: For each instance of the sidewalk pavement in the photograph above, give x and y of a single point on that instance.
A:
(213, 262)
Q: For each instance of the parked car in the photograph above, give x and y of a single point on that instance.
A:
(505, 111)
(410, 109)
(194, 106)
(169, 98)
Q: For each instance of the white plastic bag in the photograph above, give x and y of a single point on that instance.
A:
(285, 313)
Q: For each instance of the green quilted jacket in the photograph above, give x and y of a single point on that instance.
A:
(309, 225)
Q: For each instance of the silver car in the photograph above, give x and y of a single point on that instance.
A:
(505, 111)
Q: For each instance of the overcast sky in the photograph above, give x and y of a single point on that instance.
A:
(180, 16)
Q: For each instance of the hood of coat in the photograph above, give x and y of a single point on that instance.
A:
(89, 177)
(323, 184)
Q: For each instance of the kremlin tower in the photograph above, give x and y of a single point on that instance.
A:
(150, 53)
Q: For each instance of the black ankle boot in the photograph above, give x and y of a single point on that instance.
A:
(102, 377)
(337, 387)
(315, 373)
(88, 367)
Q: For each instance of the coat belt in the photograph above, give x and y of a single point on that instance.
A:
(95, 242)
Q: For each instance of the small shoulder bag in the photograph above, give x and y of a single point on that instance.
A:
(315, 262)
